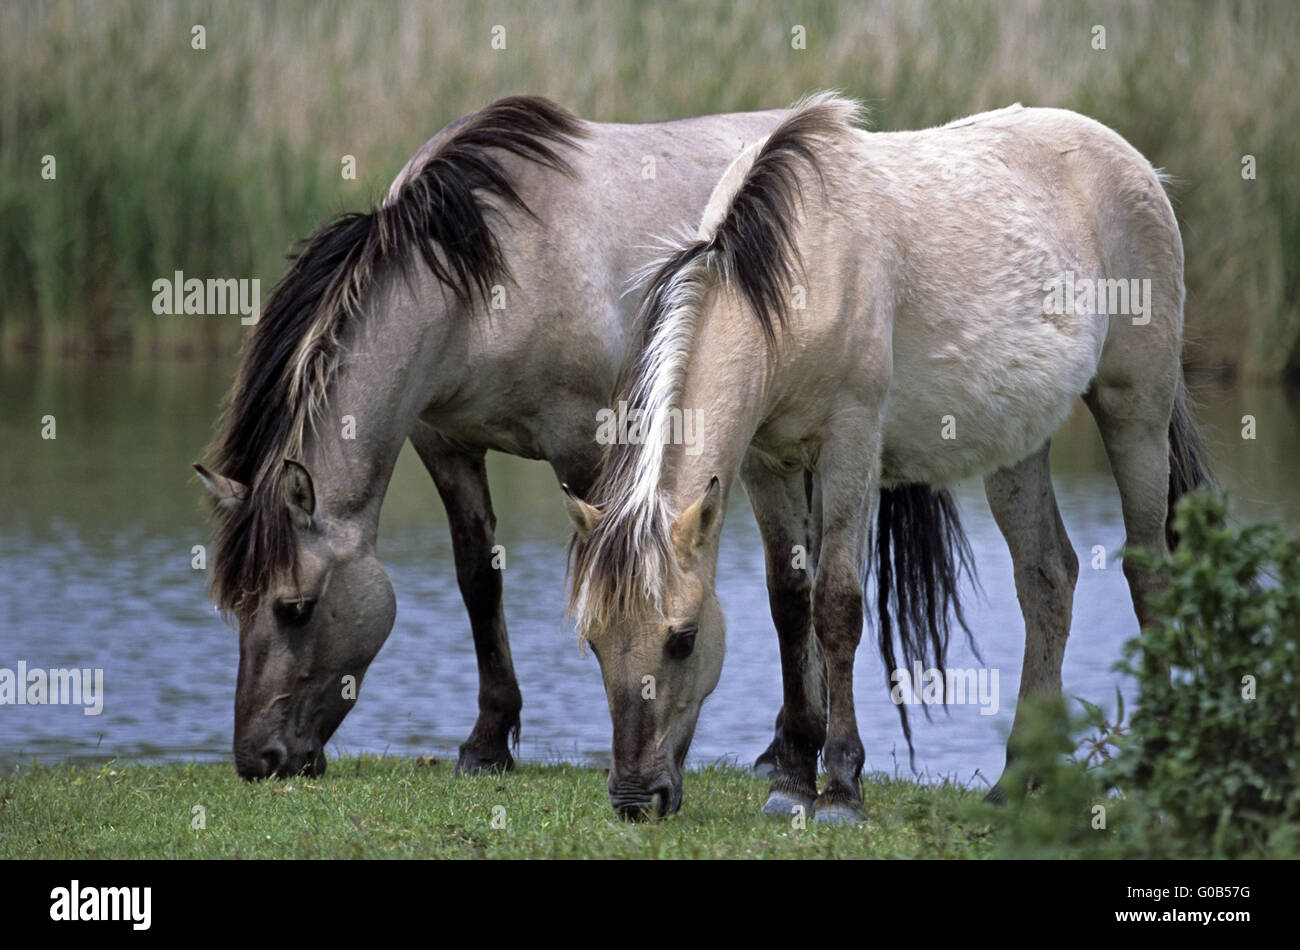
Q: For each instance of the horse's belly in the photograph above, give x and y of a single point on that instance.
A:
(976, 404)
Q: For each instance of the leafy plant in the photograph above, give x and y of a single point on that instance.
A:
(1219, 753)
(1058, 800)
(1209, 765)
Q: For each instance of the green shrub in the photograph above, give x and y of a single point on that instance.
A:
(1209, 765)
(1057, 800)
(1219, 753)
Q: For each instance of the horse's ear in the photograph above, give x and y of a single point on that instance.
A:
(695, 526)
(229, 493)
(585, 517)
(299, 494)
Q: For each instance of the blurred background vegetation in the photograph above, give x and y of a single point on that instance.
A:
(215, 161)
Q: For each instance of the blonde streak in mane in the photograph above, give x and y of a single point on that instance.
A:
(665, 362)
(661, 248)
(309, 374)
(640, 510)
(846, 112)
(724, 192)
(411, 170)
(657, 383)
(319, 352)
(669, 351)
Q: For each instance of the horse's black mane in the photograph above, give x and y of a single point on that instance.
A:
(752, 250)
(441, 214)
(753, 246)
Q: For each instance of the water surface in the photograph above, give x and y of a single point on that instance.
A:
(97, 527)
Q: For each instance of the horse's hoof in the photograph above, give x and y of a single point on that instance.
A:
(837, 813)
(787, 805)
(471, 763)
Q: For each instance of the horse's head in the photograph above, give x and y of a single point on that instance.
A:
(659, 663)
(306, 643)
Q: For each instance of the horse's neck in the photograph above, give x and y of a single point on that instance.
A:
(726, 388)
(376, 394)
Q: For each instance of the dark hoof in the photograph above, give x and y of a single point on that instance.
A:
(787, 805)
(472, 763)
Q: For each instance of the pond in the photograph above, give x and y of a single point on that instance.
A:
(97, 527)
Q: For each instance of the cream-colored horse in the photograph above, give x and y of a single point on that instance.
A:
(863, 319)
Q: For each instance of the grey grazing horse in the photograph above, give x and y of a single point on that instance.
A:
(482, 306)
(881, 310)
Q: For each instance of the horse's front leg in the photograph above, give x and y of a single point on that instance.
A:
(461, 479)
(848, 479)
(803, 530)
(781, 507)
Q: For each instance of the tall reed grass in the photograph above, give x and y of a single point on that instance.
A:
(214, 161)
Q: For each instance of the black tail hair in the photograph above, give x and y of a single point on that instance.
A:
(1189, 467)
(921, 553)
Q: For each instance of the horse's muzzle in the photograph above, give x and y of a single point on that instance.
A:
(275, 759)
(637, 801)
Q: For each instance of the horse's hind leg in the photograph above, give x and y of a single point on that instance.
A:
(1046, 568)
(462, 484)
(781, 509)
(1134, 424)
(1138, 377)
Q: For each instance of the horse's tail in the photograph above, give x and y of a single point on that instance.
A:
(921, 553)
(1189, 467)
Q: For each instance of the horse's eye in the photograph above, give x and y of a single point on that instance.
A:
(294, 611)
(680, 643)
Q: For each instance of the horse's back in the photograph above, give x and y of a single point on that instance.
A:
(969, 226)
(571, 259)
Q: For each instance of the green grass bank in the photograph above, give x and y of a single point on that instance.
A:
(373, 807)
